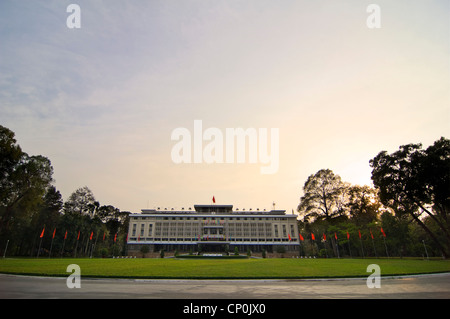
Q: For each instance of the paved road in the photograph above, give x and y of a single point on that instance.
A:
(421, 286)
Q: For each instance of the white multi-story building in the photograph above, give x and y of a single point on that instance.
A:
(213, 228)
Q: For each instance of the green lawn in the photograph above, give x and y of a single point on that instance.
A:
(218, 269)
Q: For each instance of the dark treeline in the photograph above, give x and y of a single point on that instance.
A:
(33, 213)
(405, 214)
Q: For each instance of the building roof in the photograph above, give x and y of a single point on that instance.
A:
(214, 209)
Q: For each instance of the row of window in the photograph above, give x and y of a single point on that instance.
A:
(204, 238)
(235, 229)
(207, 218)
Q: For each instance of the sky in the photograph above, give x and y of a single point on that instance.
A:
(101, 101)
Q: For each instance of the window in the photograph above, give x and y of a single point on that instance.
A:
(150, 230)
(275, 228)
(134, 230)
(142, 230)
(284, 231)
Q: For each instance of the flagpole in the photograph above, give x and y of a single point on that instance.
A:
(51, 246)
(373, 243)
(362, 246)
(7, 242)
(40, 242)
(62, 249)
(384, 239)
(76, 245)
(39, 249)
(348, 242)
(337, 244)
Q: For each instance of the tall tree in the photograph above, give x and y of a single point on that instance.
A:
(81, 201)
(364, 204)
(324, 196)
(415, 182)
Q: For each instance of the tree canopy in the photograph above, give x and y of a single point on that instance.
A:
(30, 205)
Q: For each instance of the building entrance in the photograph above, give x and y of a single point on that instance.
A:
(212, 248)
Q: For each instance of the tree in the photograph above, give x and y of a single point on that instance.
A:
(415, 182)
(144, 250)
(363, 204)
(25, 186)
(81, 201)
(324, 196)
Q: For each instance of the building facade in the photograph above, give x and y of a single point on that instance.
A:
(213, 228)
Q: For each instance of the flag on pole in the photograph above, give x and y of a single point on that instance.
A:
(65, 235)
(54, 231)
(115, 237)
(348, 235)
(214, 200)
(289, 236)
(104, 236)
(359, 233)
(92, 234)
(313, 237)
(42, 233)
(324, 237)
(78, 237)
(382, 231)
(301, 237)
(335, 235)
(371, 235)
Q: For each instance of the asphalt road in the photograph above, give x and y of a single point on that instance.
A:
(420, 286)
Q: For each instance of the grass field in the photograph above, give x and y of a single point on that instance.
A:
(171, 268)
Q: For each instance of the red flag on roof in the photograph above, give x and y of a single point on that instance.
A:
(214, 200)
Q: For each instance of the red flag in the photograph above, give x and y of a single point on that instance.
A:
(371, 235)
(214, 200)
(42, 233)
(335, 235)
(324, 237)
(92, 233)
(301, 237)
(312, 236)
(348, 235)
(289, 235)
(359, 233)
(382, 231)
(103, 236)
(65, 235)
(54, 231)
(115, 237)
(78, 237)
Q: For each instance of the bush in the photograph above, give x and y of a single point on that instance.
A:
(144, 249)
